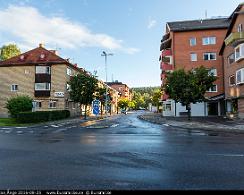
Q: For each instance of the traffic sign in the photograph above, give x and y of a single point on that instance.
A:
(96, 107)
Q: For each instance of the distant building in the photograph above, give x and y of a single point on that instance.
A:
(123, 89)
(188, 45)
(233, 55)
(40, 74)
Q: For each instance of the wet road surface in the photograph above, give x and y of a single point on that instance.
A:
(120, 153)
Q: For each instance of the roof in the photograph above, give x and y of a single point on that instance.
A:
(232, 19)
(38, 55)
(190, 25)
(115, 83)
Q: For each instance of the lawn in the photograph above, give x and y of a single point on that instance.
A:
(10, 122)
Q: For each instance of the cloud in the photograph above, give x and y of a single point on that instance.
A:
(151, 23)
(27, 26)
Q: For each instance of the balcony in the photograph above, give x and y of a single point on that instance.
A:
(166, 67)
(165, 45)
(166, 52)
(235, 38)
(42, 78)
(43, 93)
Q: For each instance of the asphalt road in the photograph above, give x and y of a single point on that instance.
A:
(121, 153)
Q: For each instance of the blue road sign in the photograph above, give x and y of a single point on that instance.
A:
(96, 107)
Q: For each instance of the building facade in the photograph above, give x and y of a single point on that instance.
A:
(188, 45)
(123, 89)
(40, 74)
(233, 57)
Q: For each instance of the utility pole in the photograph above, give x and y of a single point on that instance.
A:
(106, 71)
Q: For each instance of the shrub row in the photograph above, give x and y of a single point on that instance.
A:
(42, 116)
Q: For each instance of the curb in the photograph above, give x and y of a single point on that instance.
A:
(233, 131)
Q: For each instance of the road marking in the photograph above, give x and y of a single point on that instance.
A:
(54, 126)
(59, 130)
(20, 127)
(166, 125)
(46, 126)
(19, 132)
(227, 155)
(8, 131)
(115, 125)
(5, 128)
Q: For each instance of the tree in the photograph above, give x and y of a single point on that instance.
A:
(83, 88)
(123, 103)
(188, 87)
(132, 105)
(156, 97)
(101, 95)
(9, 51)
(19, 104)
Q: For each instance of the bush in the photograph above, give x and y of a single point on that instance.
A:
(42, 116)
(19, 104)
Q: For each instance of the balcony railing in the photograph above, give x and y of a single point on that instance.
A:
(166, 52)
(235, 38)
(166, 66)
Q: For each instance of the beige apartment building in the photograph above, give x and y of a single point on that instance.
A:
(40, 74)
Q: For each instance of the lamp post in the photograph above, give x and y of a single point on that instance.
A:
(106, 70)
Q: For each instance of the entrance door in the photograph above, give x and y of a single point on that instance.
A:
(213, 109)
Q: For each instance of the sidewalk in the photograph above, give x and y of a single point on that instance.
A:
(217, 124)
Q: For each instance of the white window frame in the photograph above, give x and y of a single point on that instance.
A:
(14, 87)
(229, 57)
(193, 41)
(50, 104)
(37, 102)
(69, 71)
(240, 28)
(209, 54)
(209, 40)
(234, 80)
(46, 87)
(241, 71)
(193, 59)
(212, 70)
(241, 52)
(210, 90)
(43, 70)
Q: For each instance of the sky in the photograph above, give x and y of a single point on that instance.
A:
(82, 29)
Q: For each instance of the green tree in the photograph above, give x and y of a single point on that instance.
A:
(19, 104)
(156, 98)
(9, 51)
(83, 88)
(123, 103)
(188, 87)
(132, 105)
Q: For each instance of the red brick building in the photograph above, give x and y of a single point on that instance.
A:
(123, 89)
(233, 57)
(190, 44)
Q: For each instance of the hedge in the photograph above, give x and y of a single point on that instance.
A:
(42, 116)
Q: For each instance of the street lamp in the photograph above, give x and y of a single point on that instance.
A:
(106, 97)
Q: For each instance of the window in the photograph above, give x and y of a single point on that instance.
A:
(232, 80)
(213, 89)
(231, 58)
(52, 104)
(213, 72)
(37, 104)
(209, 40)
(68, 87)
(193, 41)
(239, 52)
(193, 57)
(240, 76)
(239, 29)
(14, 87)
(42, 86)
(167, 59)
(43, 69)
(209, 56)
(69, 71)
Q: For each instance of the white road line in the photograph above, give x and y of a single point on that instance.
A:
(59, 130)
(227, 155)
(6, 128)
(54, 126)
(166, 125)
(20, 127)
(19, 132)
(115, 125)
(46, 126)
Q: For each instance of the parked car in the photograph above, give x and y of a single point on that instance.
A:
(123, 111)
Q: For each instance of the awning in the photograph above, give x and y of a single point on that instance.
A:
(218, 97)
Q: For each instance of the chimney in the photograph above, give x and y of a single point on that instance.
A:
(54, 51)
(41, 45)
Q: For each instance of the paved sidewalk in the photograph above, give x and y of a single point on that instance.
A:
(218, 124)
